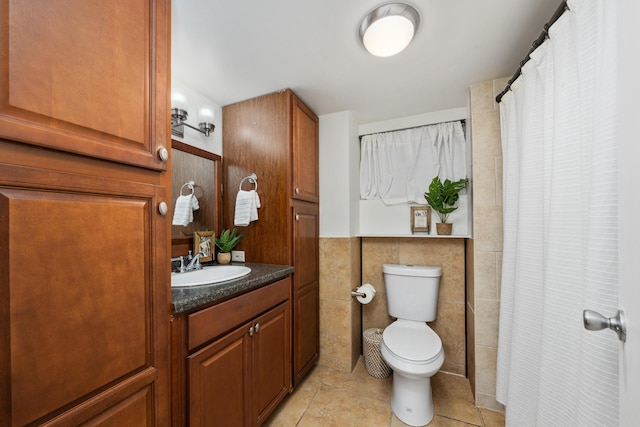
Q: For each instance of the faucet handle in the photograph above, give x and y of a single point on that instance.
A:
(181, 259)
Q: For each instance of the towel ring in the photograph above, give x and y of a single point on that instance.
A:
(253, 179)
(190, 185)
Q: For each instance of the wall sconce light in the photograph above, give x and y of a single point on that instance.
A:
(179, 117)
(389, 28)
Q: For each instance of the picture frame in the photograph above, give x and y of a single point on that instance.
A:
(203, 241)
(420, 219)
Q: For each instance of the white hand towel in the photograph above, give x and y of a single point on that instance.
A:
(242, 216)
(183, 213)
(255, 204)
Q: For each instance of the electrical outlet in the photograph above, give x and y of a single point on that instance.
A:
(237, 256)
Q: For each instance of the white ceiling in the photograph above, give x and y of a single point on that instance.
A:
(231, 50)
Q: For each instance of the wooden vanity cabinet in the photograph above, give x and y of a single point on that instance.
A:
(237, 367)
(275, 136)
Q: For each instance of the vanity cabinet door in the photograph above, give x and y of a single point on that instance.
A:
(219, 379)
(305, 153)
(88, 77)
(271, 361)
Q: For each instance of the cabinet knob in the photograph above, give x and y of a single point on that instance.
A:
(297, 190)
(257, 327)
(251, 331)
(297, 217)
(163, 208)
(163, 154)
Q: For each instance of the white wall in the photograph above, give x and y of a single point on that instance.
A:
(212, 143)
(339, 176)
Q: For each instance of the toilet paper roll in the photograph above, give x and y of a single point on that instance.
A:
(369, 292)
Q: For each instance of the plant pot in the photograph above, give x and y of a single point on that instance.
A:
(224, 257)
(444, 228)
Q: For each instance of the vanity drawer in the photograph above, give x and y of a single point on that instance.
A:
(211, 322)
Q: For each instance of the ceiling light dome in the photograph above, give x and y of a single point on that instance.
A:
(389, 28)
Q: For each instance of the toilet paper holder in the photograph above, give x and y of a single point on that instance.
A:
(357, 294)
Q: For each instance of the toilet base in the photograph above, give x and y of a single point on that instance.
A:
(411, 400)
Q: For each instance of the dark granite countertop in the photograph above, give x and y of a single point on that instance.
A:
(192, 298)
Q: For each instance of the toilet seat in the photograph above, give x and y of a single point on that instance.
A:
(412, 342)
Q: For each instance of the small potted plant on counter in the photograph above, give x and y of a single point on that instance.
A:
(225, 242)
(442, 197)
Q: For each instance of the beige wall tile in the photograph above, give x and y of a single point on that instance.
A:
(481, 97)
(485, 275)
(335, 329)
(487, 228)
(484, 183)
(487, 319)
(486, 358)
(483, 308)
(375, 314)
(486, 135)
(335, 268)
(450, 327)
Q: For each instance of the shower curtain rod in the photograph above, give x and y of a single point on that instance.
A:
(462, 122)
(543, 36)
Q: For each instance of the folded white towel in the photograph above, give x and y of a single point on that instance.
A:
(247, 204)
(255, 204)
(183, 213)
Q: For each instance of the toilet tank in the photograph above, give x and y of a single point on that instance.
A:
(412, 291)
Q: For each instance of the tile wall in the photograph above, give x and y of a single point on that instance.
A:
(340, 315)
(484, 251)
(445, 252)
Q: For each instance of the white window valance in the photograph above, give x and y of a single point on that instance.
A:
(398, 166)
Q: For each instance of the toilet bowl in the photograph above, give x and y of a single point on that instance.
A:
(409, 346)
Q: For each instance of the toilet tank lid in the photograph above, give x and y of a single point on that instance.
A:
(412, 270)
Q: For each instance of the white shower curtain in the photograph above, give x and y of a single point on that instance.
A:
(398, 166)
(560, 227)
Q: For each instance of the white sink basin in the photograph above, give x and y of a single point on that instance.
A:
(209, 275)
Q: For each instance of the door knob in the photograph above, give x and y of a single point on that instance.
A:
(594, 321)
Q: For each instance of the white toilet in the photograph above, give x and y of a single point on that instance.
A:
(409, 346)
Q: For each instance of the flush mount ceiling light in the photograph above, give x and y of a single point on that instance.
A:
(389, 28)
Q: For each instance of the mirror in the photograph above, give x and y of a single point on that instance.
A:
(190, 163)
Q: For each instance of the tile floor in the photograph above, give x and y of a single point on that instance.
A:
(328, 398)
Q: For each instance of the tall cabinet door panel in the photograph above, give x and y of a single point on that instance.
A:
(88, 77)
(306, 328)
(81, 307)
(305, 153)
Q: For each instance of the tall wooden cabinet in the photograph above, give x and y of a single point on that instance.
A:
(84, 298)
(275, 136)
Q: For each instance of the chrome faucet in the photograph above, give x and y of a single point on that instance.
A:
(194, 264)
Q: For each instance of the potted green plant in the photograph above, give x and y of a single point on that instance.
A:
(443, 197)
(225, 242)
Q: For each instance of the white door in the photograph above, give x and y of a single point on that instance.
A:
(629, 206)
